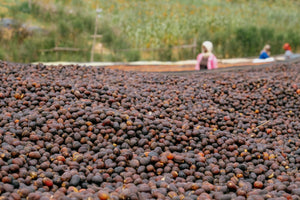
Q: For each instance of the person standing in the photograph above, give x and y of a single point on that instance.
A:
(206, 59)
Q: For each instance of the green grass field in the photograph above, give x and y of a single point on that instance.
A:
(238, 28)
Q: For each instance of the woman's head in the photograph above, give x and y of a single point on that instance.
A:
(287, 46)
(207, 47)
(267, 49)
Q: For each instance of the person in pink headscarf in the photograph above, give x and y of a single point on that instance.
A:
(206, 59)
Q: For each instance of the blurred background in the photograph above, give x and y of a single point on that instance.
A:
(132, 30)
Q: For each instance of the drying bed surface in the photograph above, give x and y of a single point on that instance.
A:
(73, 132)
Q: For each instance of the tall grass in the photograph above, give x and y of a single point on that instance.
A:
(236, 28)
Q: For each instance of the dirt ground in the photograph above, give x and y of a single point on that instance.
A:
(171, 68)
(176, 67)
(190, 67)
(187, 66)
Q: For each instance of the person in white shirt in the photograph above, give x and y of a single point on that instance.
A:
(288, 52)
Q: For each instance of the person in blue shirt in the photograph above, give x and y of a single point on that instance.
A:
(266, 52)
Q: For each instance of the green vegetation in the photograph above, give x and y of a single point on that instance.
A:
(237, 28)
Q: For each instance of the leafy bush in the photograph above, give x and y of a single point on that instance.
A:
(293, 37)
(165, 54)
(248, 40)
(3, 54)
(132, 55)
